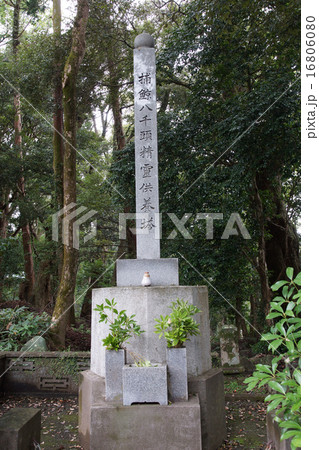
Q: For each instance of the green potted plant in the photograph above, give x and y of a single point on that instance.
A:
(176, 328)
(121, 328)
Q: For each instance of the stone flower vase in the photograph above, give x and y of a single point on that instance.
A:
(114, 362)
(145, 384)
(177, 373)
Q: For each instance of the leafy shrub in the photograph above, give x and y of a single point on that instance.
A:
(18, 325)
(122, 327)
(286, 333)
(179, 324)
(259, 347)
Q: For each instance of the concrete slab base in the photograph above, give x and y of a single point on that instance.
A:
(20, 428)
(163, 271)
(148, 303)
(153, 427)
(233, 369)
(198, 423)
(210, 389)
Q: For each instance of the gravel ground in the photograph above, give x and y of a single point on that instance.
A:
(246, 422)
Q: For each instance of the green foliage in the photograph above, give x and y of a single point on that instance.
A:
(259, 347)
(143, 363)
(121, 326)
(286, 400)
(177, 326)
(59, 367)
(18, 325)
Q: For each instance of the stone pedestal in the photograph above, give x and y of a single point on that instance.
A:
(198, 423)
(163, 271)
(145, 384)
(115, 361)
(20, 428)
(149, 303)
(153, 427)
(177, 374)
(210, 389)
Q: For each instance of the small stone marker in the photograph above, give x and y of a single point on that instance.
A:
(36, 344)
(229, 350)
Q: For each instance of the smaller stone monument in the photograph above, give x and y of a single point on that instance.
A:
(229, 349)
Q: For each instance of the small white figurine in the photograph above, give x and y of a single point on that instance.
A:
(146, 281)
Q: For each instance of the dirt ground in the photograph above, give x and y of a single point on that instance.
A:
(246, 422)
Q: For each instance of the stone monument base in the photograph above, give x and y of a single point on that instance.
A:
(196, 424)
(148, 303)
(163, 271)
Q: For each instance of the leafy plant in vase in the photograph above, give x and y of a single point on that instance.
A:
(121, 328)
(177, 328)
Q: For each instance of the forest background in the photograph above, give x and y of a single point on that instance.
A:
(229, 142)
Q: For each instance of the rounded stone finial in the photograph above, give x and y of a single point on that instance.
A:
(144, 40)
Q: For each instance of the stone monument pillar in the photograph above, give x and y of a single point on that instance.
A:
(163, 272)
(146, 154)
(198, 423)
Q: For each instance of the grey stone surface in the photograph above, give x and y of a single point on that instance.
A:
(273, 434)
(152, 427)
(233, 369)
(91, 393)
(145, 384)
(177, 373)
(144, 40)
(210, 389)
(149, 303)
(36, 344)
(114, 363)
(163, 272)
(19, 427)
(247, 363)
(229, 350)
(146, 157)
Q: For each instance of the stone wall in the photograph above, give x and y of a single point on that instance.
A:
(42, 372)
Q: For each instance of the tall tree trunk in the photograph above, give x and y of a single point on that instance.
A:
(240, 321)
(87, 301)
(54, 259)
(58, 107)
(5, 211)
(104, 121)
(261, 259)
(43, 288)
(27, 287)
(253, 316)
(65, 296)
(282, 245)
